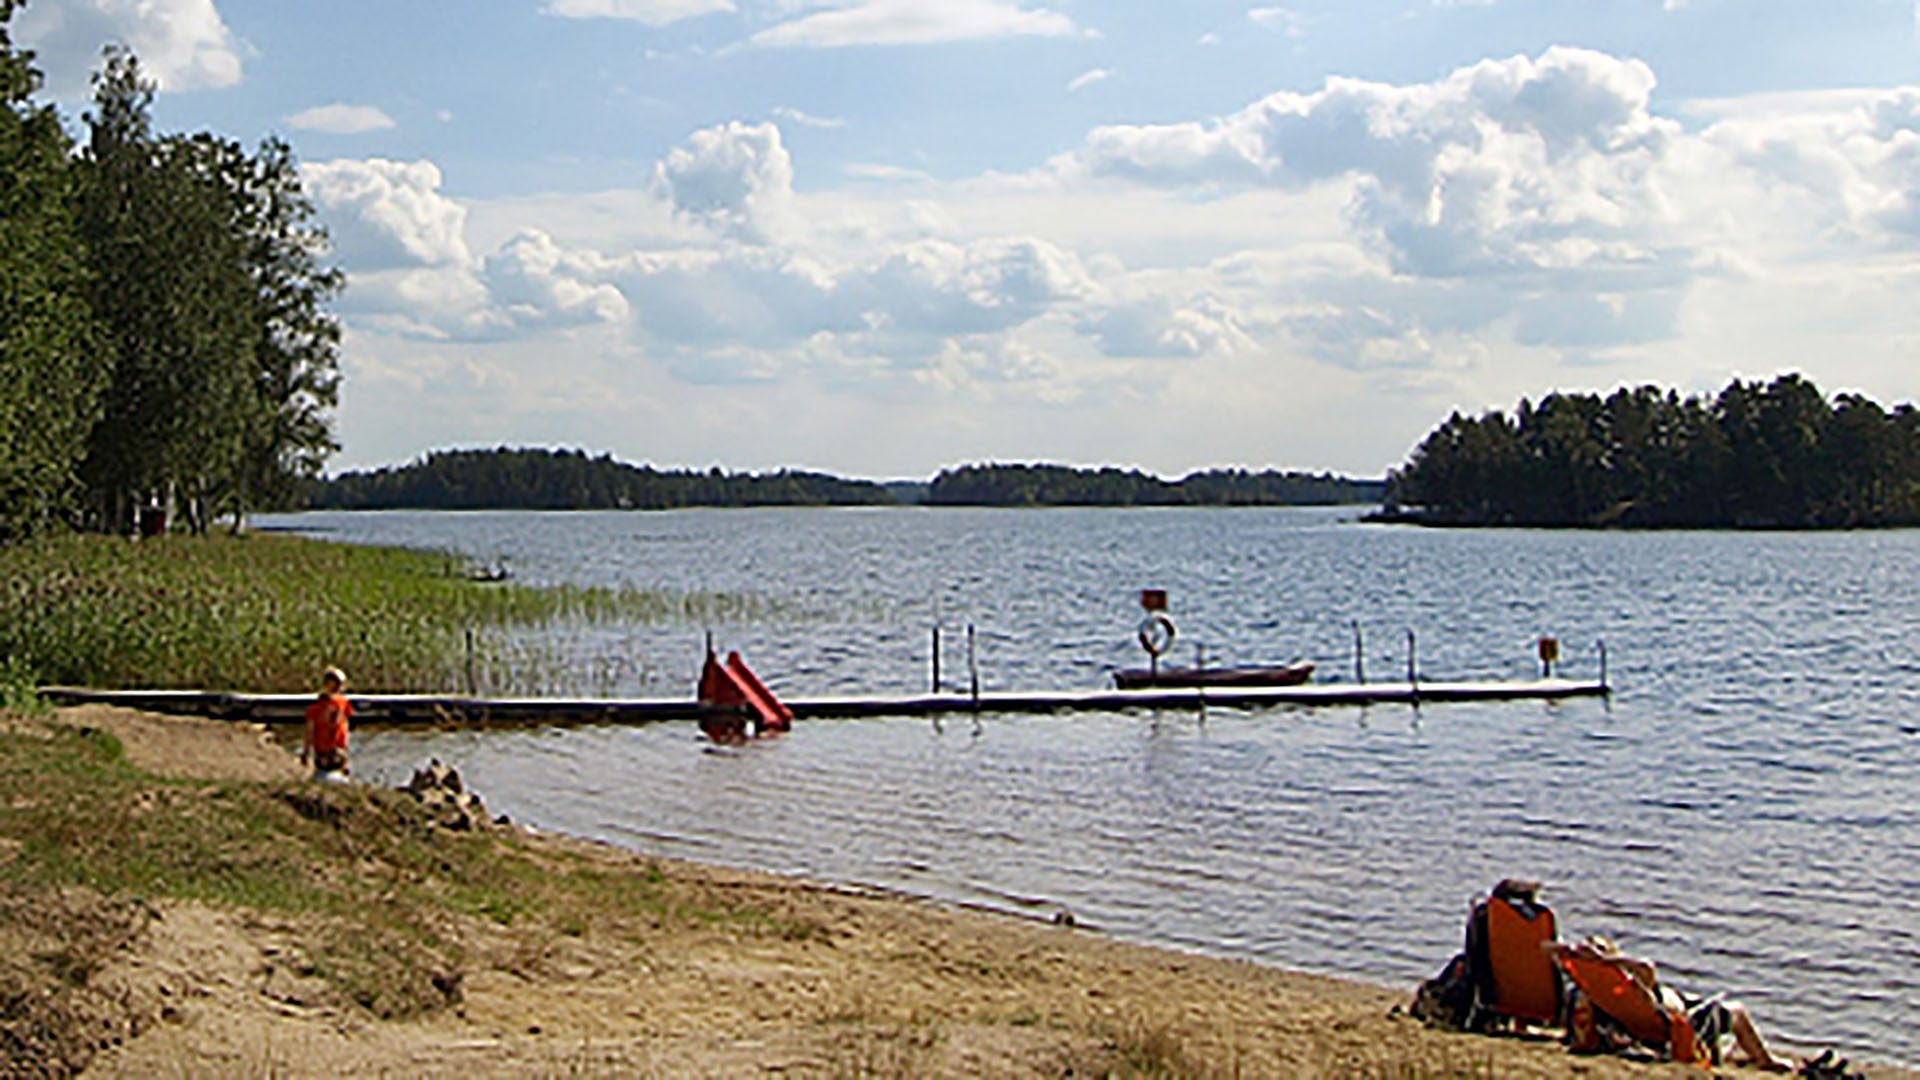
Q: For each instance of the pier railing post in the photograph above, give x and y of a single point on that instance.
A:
(973, 669)
(1413, 663)
(1603, 663)
(1359, 655)
(936, 658)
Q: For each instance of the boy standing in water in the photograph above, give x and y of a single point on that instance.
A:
(326, 742)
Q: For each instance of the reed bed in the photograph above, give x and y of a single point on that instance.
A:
(265, 612)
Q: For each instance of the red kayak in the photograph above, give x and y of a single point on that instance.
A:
(1168, 678)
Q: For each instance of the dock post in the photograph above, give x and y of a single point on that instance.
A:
(936, 658)
(973, 669)
(1603, 663)
(470, 680)
(1359, 655)
(1413, 664)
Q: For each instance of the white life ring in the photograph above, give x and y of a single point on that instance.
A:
(1156, 635)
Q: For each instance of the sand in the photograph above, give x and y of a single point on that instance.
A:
(883, 985)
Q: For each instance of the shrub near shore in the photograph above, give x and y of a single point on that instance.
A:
(263, 612)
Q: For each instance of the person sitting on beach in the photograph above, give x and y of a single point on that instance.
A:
(325, 747)
(1712, 1019)
(1514, 982)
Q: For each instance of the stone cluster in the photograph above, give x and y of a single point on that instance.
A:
(447, 800)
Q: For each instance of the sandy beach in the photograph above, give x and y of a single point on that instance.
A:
(847, 982)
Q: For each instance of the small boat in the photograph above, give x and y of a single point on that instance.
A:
(1171, 677)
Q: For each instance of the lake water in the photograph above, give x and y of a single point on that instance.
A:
(1745, 809)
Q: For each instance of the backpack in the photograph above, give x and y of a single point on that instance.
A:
(1450, 999)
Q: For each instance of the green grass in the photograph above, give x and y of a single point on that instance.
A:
(383, 890)
(266, 612)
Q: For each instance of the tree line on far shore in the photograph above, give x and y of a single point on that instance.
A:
(538, 479)
(1062, 485)
(542, 479)
(1775, 454)
(164, 332)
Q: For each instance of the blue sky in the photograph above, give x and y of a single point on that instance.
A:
(882, 236)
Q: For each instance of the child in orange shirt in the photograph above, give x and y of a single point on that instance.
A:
(326, 742)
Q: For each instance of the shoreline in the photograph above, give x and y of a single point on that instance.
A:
(731, 973)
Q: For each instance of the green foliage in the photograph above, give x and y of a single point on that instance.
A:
(1772, 455)
(1060, 485)
(19, 688)
(265, 612)
(293, 366)
(171, 288)
(164, 334)
(50, 376)
(533, 479)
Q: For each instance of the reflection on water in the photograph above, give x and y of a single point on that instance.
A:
(1744, 810)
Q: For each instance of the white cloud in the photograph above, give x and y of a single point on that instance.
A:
(339, 119)
(892, 174)
(538, 284)
(182, 44)
(389, 214)
(942, 288)
(737, 178)
(650, 12)
(807, 119)
(1767, 107)
(1287, 21)
(1158, 326)
(1523, 163)
(1088, 78)
(914, 22)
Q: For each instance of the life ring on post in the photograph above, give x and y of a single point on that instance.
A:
(1156, 635)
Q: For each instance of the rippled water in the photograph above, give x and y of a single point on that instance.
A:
(1745, 810)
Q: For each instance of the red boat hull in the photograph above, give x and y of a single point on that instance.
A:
(1175, 677)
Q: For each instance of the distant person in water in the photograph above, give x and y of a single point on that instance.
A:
(1712, 1019)
(325, 747)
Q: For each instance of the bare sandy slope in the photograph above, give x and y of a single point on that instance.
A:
(877, 985)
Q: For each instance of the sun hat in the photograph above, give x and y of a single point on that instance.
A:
(334, 674)
(1601, 944)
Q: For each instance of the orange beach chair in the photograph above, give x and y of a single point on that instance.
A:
(1610, 990)
(1526, 986)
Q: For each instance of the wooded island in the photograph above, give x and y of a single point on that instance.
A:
(1775, 455)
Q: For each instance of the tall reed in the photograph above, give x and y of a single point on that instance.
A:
(265, 612)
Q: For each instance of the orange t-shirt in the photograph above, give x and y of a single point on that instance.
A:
(327, 723)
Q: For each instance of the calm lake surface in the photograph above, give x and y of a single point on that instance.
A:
(1745, 810)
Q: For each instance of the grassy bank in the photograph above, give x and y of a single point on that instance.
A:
(265, 612)
(93, 849)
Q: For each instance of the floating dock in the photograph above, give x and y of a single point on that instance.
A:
(453, 709)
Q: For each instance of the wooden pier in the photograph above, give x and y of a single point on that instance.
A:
(453, 709)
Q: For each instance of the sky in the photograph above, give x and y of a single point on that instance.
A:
(882, 237)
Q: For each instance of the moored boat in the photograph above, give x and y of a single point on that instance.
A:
(1172, 677)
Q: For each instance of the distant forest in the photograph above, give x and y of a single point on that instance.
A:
(1759, 455)
(1060, 485)
(540, 479)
